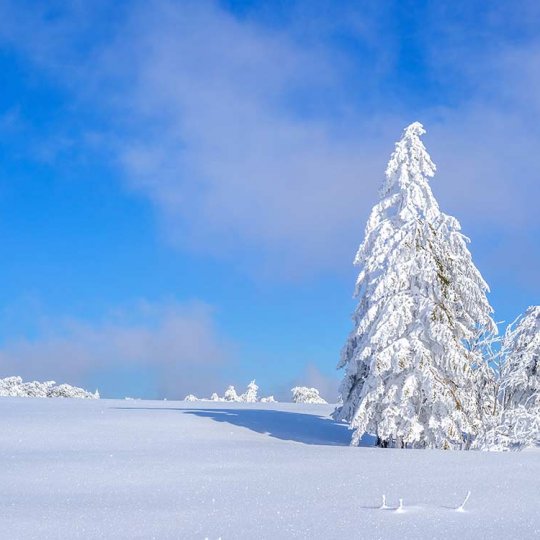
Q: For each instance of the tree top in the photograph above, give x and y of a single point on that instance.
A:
(416, 129)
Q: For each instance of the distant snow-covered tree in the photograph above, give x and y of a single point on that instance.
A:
(230, 395)
(412, 356)
(303, 394)
(520, 374)
(250, 395)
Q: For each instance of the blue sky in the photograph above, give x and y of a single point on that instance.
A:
(184, 184)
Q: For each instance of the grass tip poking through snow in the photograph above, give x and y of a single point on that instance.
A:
(461, 507)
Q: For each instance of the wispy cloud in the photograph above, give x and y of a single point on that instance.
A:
(265, 143)
(176, 345)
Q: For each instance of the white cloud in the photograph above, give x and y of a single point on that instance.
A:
(232, 167)
(236, 171)
(261, 145)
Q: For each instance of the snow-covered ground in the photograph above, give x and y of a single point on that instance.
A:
(174, 470)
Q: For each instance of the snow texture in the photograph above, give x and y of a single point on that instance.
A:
(15, 387)
(95, 469)
(411, 361)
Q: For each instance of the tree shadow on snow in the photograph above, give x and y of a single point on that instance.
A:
(284, 425)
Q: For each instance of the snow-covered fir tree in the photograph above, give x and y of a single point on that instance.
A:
(520, 374)
(412, 358)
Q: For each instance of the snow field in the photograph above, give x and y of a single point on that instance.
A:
(143, 469)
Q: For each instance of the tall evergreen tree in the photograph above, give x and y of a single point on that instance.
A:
(520, 374)
(411, 360)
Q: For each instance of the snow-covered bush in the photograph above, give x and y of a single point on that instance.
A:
(520, 373)
(303, 394)
(514, 422)
(269, 399)
(191, 397)
(15, 387)
(231, 395)
(68, 391)
(512, 429)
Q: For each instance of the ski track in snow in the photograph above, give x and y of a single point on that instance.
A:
(174, 470)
